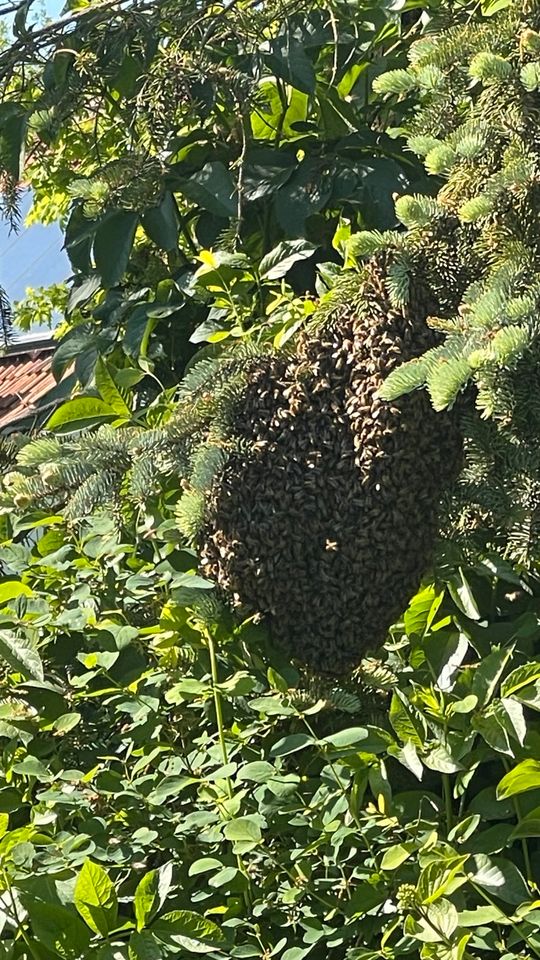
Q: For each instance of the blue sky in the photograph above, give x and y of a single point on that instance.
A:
(34, 257)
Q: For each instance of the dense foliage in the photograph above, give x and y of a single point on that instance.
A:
(159, 131)
(170, 784)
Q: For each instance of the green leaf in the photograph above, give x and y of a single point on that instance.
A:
(480, 917)
(204, 865)
(528, 826)
(213, 189)
(279, 261)
(145, 946)
(398, 854)
(243, 832)
(441, 877)
(113, 243)
(272, 115)
(81, 412)
(304, 195)
(462, 595)
(290, 744)
(95, 898)
(188, 930)
(521, 677)
(108, 389)
(162, 223)
(239, 685)
(364, 739)
(13, 123)
(501, 878)
(524, 777)
(488, 674)
(418, 613)
(272, 706)
(10, 589)
(151, 894)
(56, 927)
(21, 656)
(259, 771)
(288, 61)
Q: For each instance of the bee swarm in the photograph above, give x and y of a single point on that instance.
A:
(327, 524)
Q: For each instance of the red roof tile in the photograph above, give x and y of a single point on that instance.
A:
(24, 379)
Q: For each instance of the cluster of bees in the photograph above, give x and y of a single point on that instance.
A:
(326, 520)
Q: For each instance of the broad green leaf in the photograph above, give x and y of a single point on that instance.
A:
(82, 291)
(213, 189)
(151, 894)
(529, 825)
(501, 878)
(273, 706)
(488, 674)
(224, 877)
(259, 771)
(511, 716)
(81, 412)
(288, 61)
(440, 878)
(290, 744)
(359, 739)
(13, 123)
(407, 721)
(145, 946)
(95, 898)
(521, 677)
(162, 223)
(10, 589)
(21, 655)
(113, 243)
(524, 777)
(280, 260)
(408, 757)
(272, 115)
(464, 829)
(188, 930)
(442, 760)
(244, 832)
(108, 389)
(462, 595)
(443, 917)
(204, 865)
(398, 854)
(304, 195)
(58, 928)
(493, 733)
(481, 917)
(418, 612)
(239, 685)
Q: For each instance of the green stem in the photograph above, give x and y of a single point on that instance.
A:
(20, 929)
(218, 707)
(447, 788)
(223, 744)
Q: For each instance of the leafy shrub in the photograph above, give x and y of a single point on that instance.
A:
(170, 785)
